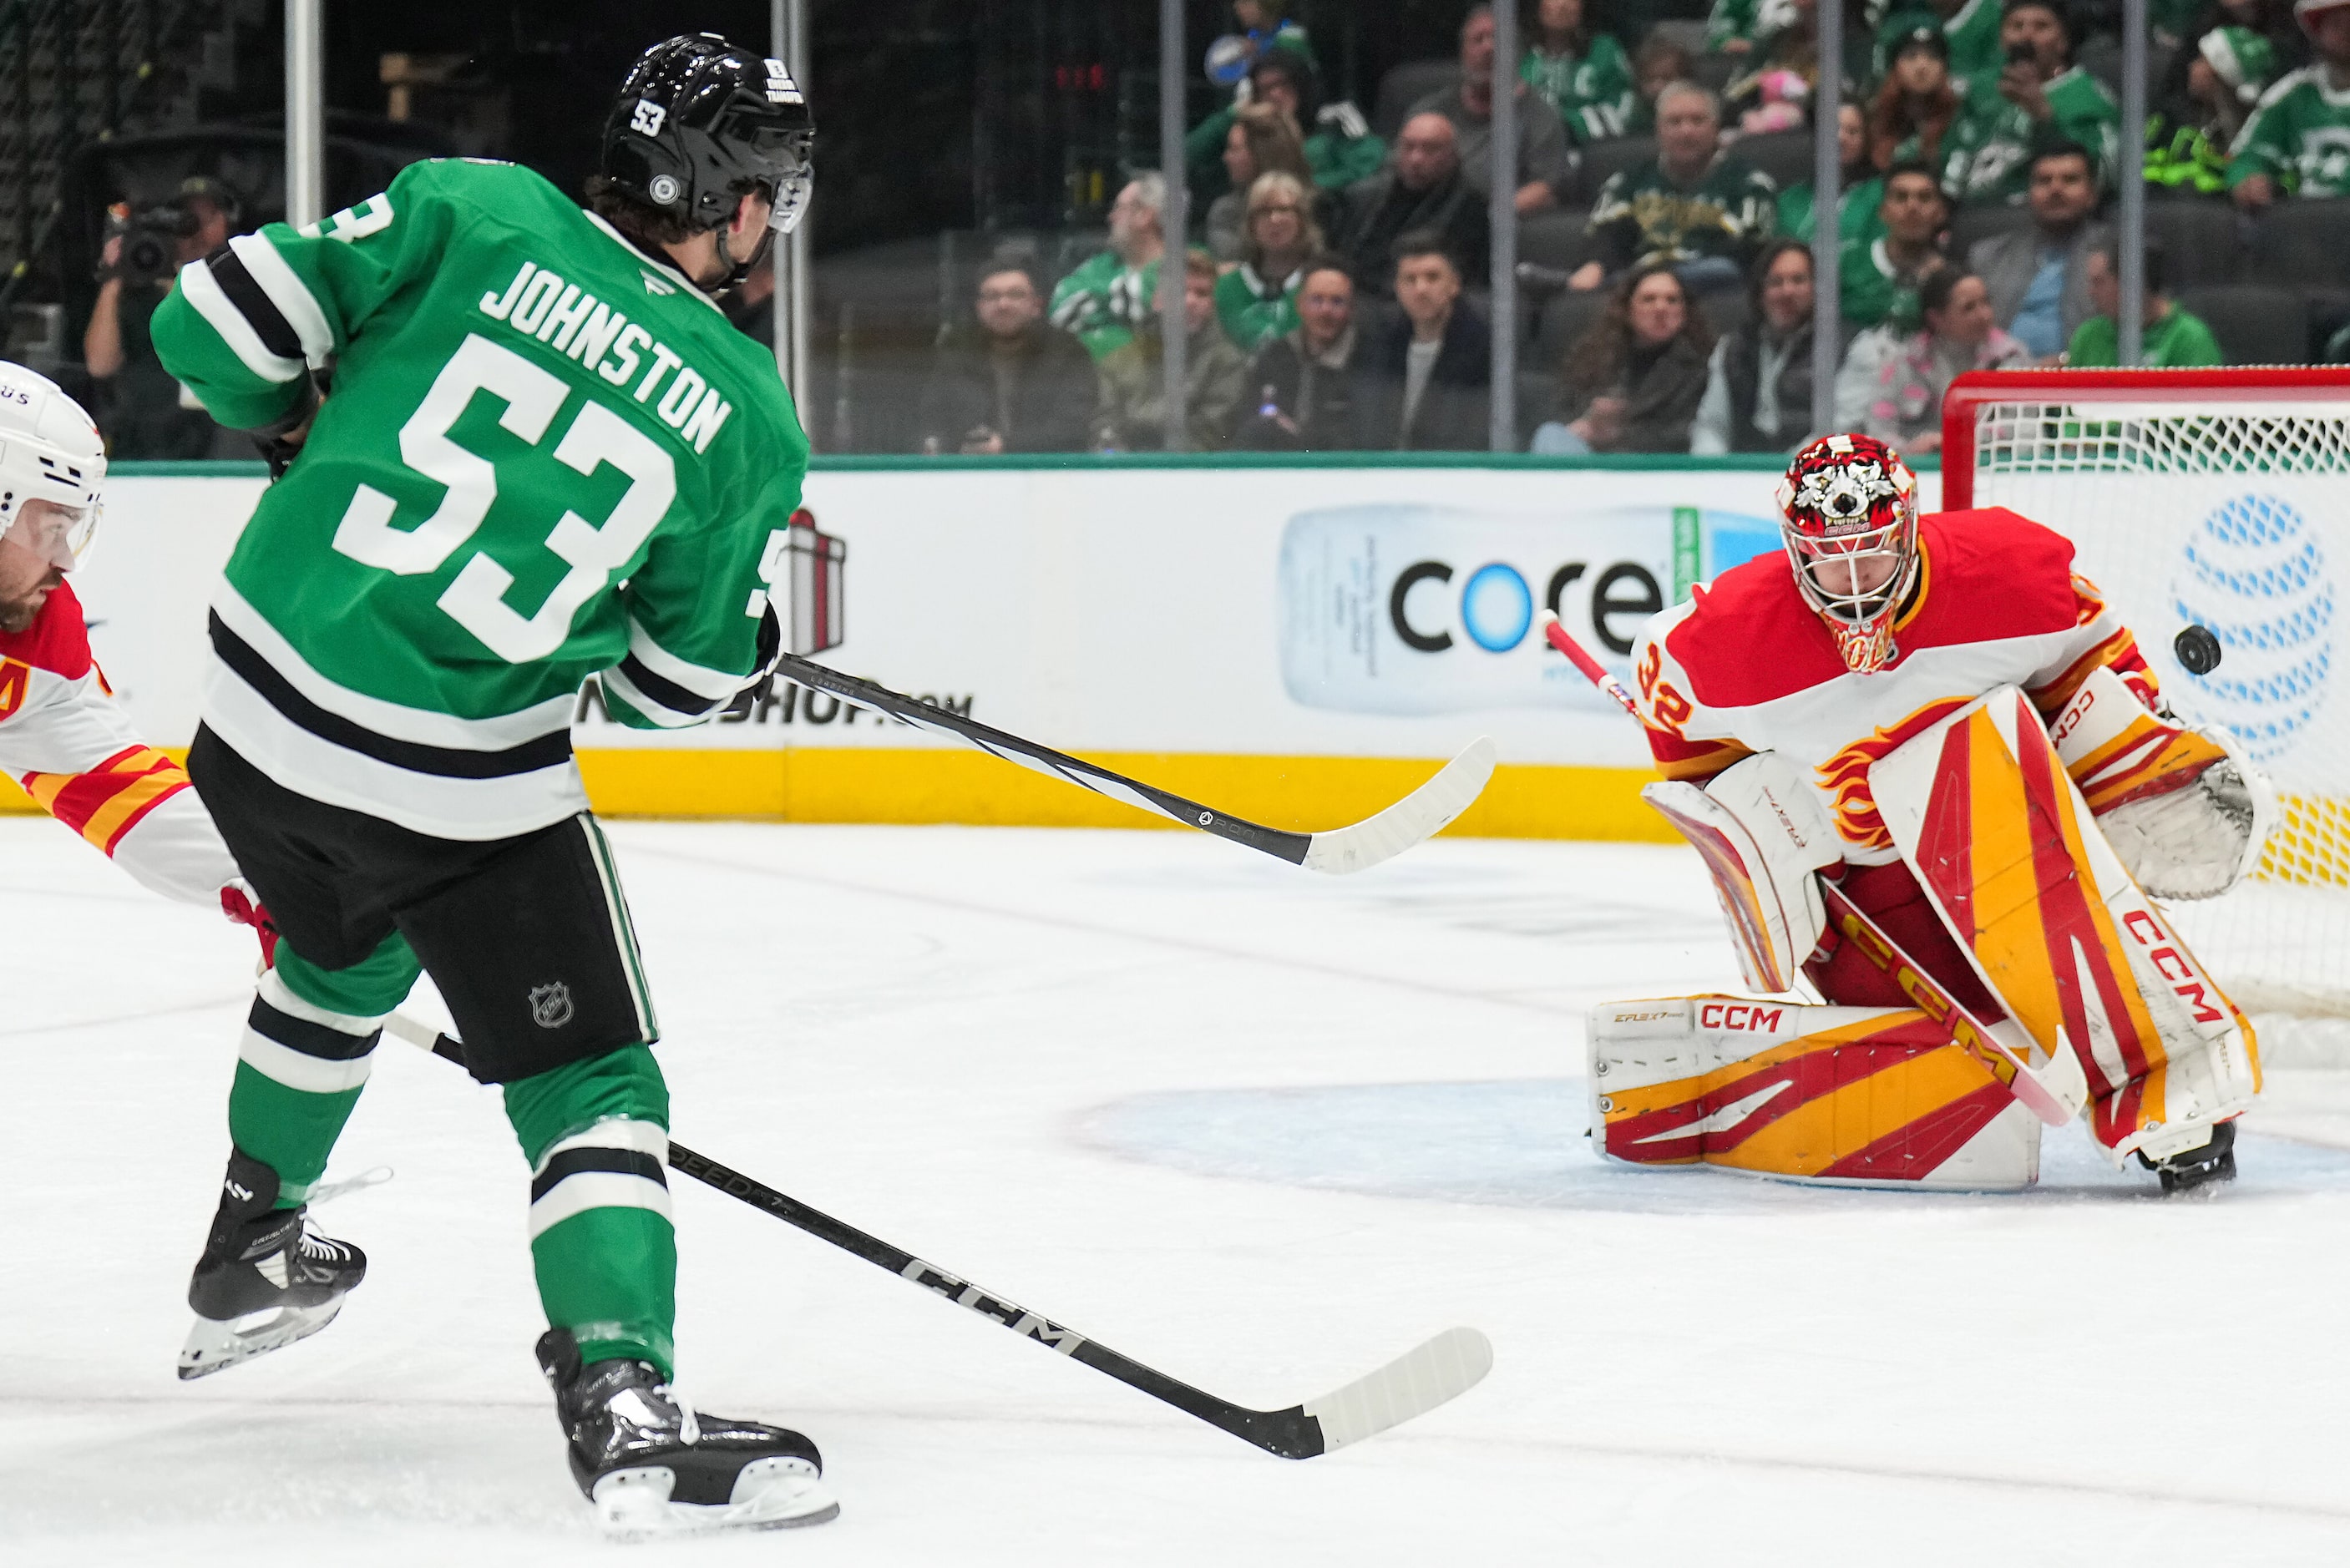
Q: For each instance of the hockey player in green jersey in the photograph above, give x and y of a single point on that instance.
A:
(2297, 143)
(545, 456)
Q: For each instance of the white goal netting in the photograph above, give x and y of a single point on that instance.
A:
(2232, 511)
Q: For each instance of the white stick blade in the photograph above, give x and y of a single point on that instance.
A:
(1412, 1385)
(1417, 815)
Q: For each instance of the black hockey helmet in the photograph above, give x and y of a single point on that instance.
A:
(699, 122)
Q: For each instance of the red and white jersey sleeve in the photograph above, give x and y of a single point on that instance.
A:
(67, 743)
(1746, 666)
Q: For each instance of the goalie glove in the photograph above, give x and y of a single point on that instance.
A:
(1762, 835)
(2187, 812)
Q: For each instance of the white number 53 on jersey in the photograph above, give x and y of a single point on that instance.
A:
(476, 599)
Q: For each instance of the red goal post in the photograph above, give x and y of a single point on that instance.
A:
(2220, 498)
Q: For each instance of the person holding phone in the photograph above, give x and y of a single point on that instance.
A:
(2038, 98)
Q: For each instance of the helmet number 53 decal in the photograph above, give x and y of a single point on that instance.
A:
(647, 118)
(476, 599)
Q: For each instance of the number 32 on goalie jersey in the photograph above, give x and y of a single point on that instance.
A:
(476, 599)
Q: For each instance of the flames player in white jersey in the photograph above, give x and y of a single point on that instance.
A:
(2011, 869)
(63, 737)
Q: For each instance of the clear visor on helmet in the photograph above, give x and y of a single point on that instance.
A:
(1852, 577)
(58, 533)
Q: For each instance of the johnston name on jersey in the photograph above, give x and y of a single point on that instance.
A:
(1746, 666)
(537, 411)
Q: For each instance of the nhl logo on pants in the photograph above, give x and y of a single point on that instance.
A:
(550, 1006)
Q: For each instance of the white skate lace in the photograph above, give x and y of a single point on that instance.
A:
(689, 1425)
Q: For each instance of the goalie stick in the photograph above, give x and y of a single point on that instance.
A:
(1417, 815)
(1412, 1385)
(2039, 1092)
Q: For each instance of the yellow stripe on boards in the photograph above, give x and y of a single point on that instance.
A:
(910, 785)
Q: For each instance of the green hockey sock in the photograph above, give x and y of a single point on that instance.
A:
(596, 1134)
(307, 1046)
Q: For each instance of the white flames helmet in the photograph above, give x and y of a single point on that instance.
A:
(50, 451)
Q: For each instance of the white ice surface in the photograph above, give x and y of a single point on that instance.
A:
(1163, 1092)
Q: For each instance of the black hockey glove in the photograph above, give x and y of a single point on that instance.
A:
(270, 439)
(763, 677)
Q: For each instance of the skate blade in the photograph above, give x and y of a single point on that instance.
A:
(213, 1346)
(769, 1494)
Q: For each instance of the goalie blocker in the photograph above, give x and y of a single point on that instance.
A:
(2037, 850)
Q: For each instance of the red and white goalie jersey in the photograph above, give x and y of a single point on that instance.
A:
(68, 743)
(1745, 665)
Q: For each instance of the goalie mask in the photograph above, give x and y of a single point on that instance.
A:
(1850, 525)
(49, 452)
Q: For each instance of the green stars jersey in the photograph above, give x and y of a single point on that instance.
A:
(1253, 309)
(1593, 92)
(1987, 152)
(546, 456)
(1103, 302)
(1642, 216)
(2298, 137)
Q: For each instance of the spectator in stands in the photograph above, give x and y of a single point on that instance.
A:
(2297, 143)
(1917, 105)
(1758, 383)
(1970, 29)
(2170, 339)
(1339, 146)
(1264, 141)
(1132, 414)
(1693, 206)
(1109, 295)
(2201, 107)
(1633, 381)
(2038, 276)
(1253, 300)
(1776, 79)
(142, 405)
(1859, 187)
(2038, 98)
(1303, 380)
(1734, 27)
(1425, 382)
(1878, 278)
(1544, 164)
(1657, 65)
(1580, 70)
(1959, 335)
(1008, 381)
(1423, 190)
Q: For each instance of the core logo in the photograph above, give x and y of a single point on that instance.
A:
(1496, 608)
(1743, 1015)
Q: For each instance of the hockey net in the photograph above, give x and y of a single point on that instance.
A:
(2222, 498)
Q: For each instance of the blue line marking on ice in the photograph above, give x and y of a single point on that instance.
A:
(1519, 1143)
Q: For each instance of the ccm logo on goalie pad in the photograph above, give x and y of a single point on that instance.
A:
(1012, 1315)
(2173, 965)
(1738, 1016)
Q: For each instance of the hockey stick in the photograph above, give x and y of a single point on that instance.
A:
(2038, 1094)
(1412, 1385)
(1417, 815)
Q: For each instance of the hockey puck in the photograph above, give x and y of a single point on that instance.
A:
(2197, 649)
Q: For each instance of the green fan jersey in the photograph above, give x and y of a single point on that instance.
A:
(1987, 154)
(1593, 92)
(2298, 137)
(1972, 32)
(545, 455)
(1253, 309)
(1104, 300)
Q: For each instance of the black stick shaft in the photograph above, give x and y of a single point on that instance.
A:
(1012, 748)
(1291, 1434)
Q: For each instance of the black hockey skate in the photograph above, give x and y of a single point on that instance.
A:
(2215, 1161)
(266, 1278)
(653, 1466)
